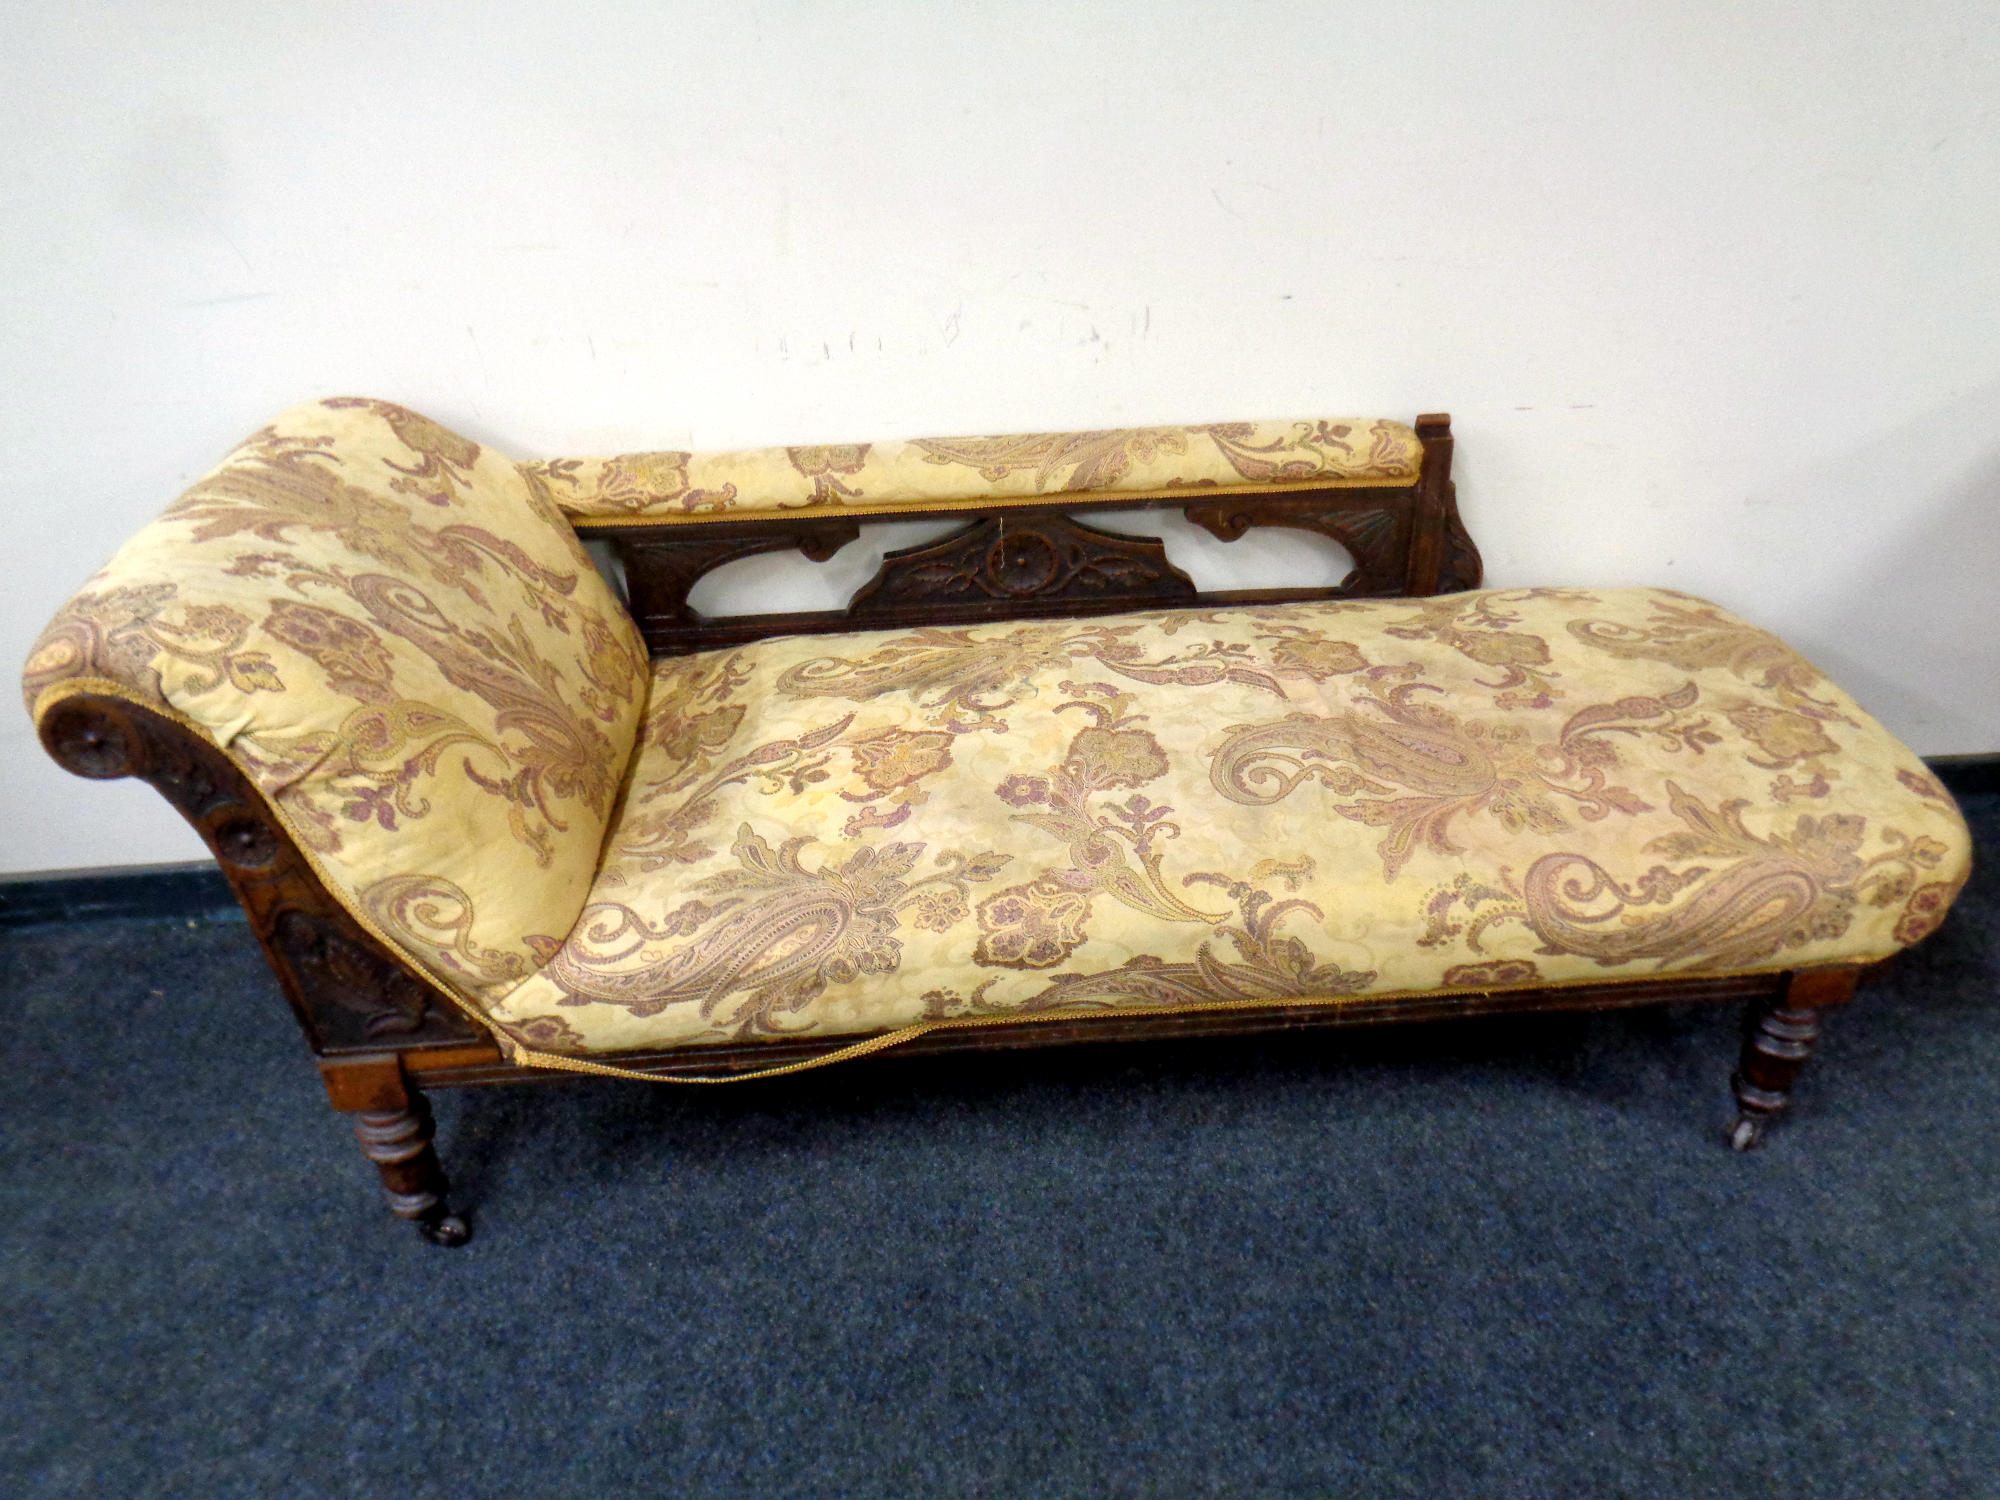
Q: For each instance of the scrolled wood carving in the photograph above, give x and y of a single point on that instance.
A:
(337, 973)
(1001, 562)
(661, 569)
(87, 744)
(1463, 568)
(349, 992)
(1377, 537)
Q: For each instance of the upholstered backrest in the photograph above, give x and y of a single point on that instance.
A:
(401, 643)
(977, 472)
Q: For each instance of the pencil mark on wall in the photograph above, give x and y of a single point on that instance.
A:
(485, 380)
(218, 301)
(223, 235)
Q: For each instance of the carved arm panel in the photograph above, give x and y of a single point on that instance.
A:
(349, 992)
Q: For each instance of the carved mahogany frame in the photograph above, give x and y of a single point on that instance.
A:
(383, 1034)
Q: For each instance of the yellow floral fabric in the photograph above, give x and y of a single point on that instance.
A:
(943, 473)
(837, 835)
(401, 642)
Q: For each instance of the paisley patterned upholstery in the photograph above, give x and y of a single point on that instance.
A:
(395, 633)
(837, 835)
(404, 646)
(947, 473)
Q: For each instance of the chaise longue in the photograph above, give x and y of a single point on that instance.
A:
(491, 822)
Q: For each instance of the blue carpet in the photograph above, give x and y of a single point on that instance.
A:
(1487, 1259)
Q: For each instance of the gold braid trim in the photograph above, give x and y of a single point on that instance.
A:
(1076, 500)
(869, 1046)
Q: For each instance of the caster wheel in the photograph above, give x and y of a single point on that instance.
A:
(449, 1230)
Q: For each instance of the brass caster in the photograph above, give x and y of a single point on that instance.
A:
(449, 1230)
(1748, 1134)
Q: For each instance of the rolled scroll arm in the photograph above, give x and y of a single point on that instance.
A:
(349, 992)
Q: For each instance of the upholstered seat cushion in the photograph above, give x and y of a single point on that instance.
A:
(838, 835)
(949, 473)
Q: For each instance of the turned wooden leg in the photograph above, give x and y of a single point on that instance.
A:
(1778, 1036)
(399, 1142)
(393, 1123)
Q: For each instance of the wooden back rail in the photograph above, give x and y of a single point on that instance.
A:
(1024, 559)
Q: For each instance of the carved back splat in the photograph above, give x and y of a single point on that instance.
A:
(1010, 560)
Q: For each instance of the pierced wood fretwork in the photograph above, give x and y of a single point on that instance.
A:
(662, 566)
(1404, 543)
(1376, 536)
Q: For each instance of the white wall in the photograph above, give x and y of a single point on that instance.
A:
(1713, 289)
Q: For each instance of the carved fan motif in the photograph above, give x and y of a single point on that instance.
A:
(1040, 559)
(347, 991)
